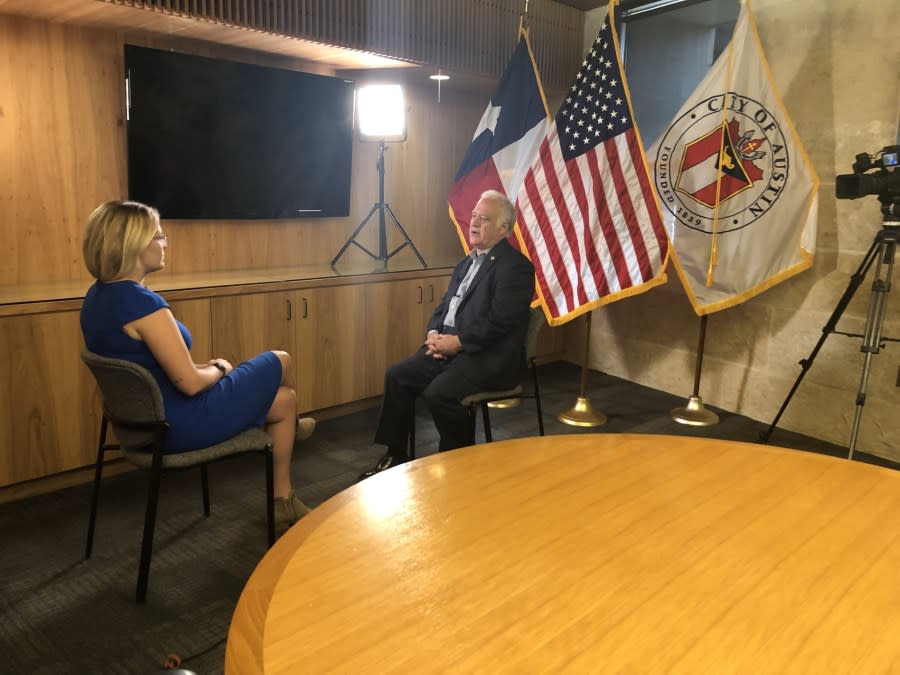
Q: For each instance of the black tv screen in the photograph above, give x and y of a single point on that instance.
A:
(211, 138)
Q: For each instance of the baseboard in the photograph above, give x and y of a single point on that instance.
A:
(59, 481)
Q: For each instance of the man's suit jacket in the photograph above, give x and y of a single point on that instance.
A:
(492, 319)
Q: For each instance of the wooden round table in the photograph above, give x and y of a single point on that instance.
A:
(601, 552)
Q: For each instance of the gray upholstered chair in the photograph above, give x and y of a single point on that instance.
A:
(132, 404)
(484, 398)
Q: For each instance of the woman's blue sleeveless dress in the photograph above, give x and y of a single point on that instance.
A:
(238, 401)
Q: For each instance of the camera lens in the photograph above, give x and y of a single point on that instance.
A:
(847, 186)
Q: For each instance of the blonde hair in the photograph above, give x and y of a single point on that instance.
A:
(116, 234)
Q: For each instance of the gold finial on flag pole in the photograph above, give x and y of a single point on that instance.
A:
(694, 413)
(582, 414)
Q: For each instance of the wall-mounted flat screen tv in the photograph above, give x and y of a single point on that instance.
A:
(218, 139)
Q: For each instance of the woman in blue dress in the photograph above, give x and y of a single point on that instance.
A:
(205, 403)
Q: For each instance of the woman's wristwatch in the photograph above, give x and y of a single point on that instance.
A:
(219, 367)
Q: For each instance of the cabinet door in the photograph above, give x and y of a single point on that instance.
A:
(433, 290)
(396, 324)
(420, 297)
(243, 326)
(334, 346)
(49, 404)
(399, 313)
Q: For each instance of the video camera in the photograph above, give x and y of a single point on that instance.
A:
(885, 182)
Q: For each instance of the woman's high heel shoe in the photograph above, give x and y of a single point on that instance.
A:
(288, 510)
(305, 428)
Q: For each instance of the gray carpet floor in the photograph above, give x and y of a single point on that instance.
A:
(64, 614)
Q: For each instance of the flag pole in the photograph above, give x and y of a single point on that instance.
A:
(582, 414)
(694, 413)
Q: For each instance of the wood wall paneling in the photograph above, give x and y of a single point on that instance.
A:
(62, 146)
(61, 143)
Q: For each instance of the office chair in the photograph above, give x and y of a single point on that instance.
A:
(483, 398)
(133, 406)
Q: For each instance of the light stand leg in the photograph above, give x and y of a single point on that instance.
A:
(805, 364)
(352, 239)
(405, 238)
(874, 324)
(380, 206)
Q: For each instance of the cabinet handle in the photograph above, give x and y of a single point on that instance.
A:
(430, 292)
(305, 308)
(288, 303)
(421, 295)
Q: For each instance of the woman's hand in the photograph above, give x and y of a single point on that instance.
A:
(223, 363)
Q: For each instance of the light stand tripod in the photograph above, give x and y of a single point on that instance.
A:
(883, 250)
(380, 207)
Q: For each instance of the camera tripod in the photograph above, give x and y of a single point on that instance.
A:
(380, 207)
(883, 250)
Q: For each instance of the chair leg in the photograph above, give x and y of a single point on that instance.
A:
(487, 422)
(270, 497)
(204, 485)
(411, 450)
(537, 397)
(149, 524)
(95, 494)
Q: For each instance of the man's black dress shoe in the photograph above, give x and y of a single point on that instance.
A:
(386, 462)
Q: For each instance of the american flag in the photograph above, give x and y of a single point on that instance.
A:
(587, 210)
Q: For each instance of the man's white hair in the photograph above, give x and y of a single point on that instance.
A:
(507, 210)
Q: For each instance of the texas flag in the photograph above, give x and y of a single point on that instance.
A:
(506, 141)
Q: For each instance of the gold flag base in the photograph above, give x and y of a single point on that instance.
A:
(506, 403)
(695, 414)
(582, 415)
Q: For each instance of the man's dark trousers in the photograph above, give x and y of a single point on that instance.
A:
(441, 387)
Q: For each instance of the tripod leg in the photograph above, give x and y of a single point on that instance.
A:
(405, 237)
(359, 227)
(872, 338)
(805, 364)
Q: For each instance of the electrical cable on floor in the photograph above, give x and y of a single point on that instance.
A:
(174, 661)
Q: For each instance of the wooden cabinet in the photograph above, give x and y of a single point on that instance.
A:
(245, 325)
(341, 338)
(342, 335)
(432, 291)
(399, 311)
(49, 408)
(334, 358)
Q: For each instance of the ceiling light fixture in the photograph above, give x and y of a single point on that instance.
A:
(439, 77)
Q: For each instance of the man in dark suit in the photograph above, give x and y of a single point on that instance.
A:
(475, 338)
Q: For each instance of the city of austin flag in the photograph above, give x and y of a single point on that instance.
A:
(738, 193)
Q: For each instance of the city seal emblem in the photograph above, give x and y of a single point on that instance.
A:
(725, 159)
